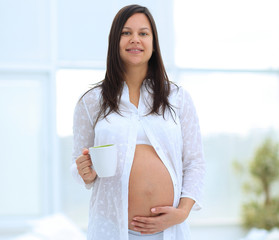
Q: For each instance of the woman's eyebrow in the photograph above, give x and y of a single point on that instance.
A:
(143, 28)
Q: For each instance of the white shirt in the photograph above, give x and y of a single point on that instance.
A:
(177, 143)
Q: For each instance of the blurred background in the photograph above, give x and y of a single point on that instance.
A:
(225, 53)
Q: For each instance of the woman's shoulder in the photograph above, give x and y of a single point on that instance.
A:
(180, 96)
(92, 95)
(90, 100)
(178, 90)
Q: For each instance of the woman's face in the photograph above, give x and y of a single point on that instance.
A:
(136, 42)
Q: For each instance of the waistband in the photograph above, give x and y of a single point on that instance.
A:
(143, 235)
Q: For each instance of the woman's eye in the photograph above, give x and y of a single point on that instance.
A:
(143, 34)
(125, 33)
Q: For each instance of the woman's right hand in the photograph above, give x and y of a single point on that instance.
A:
(84, 164)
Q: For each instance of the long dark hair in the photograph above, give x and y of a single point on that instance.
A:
(112, 85)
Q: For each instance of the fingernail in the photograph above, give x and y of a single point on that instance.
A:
(153, 209)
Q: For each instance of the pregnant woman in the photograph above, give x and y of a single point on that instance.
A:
(153, 123)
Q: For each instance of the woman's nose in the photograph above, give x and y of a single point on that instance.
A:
(134, 39)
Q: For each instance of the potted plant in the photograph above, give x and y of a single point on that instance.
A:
(262, 208)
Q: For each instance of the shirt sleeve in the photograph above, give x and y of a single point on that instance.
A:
(83, 137)
(192, 155)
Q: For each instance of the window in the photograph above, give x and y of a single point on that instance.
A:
(227, 34)
(23, 139)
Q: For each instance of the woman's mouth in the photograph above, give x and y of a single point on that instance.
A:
(134, 50)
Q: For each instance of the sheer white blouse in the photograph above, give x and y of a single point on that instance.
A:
(177, 141)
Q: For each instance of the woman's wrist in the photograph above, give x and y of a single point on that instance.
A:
(92, 179)
(185, 206)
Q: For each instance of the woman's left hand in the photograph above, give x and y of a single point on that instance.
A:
(168, 217)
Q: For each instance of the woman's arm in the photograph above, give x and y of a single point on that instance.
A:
(168, 216)
(186, 205)
(83, 139)
(193, 167)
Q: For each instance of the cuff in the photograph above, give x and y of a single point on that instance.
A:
(197, 206)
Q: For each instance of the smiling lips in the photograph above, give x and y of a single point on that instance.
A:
(134, 50)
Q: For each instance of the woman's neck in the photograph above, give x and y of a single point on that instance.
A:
(134, 77)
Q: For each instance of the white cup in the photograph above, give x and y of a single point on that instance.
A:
(104, 160)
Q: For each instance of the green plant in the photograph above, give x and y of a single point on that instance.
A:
(262, 210)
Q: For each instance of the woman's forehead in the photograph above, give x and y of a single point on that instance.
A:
(138, 20)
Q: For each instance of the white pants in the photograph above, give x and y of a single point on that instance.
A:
(138, 236)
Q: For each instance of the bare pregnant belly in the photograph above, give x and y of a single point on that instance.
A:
(150, 184)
